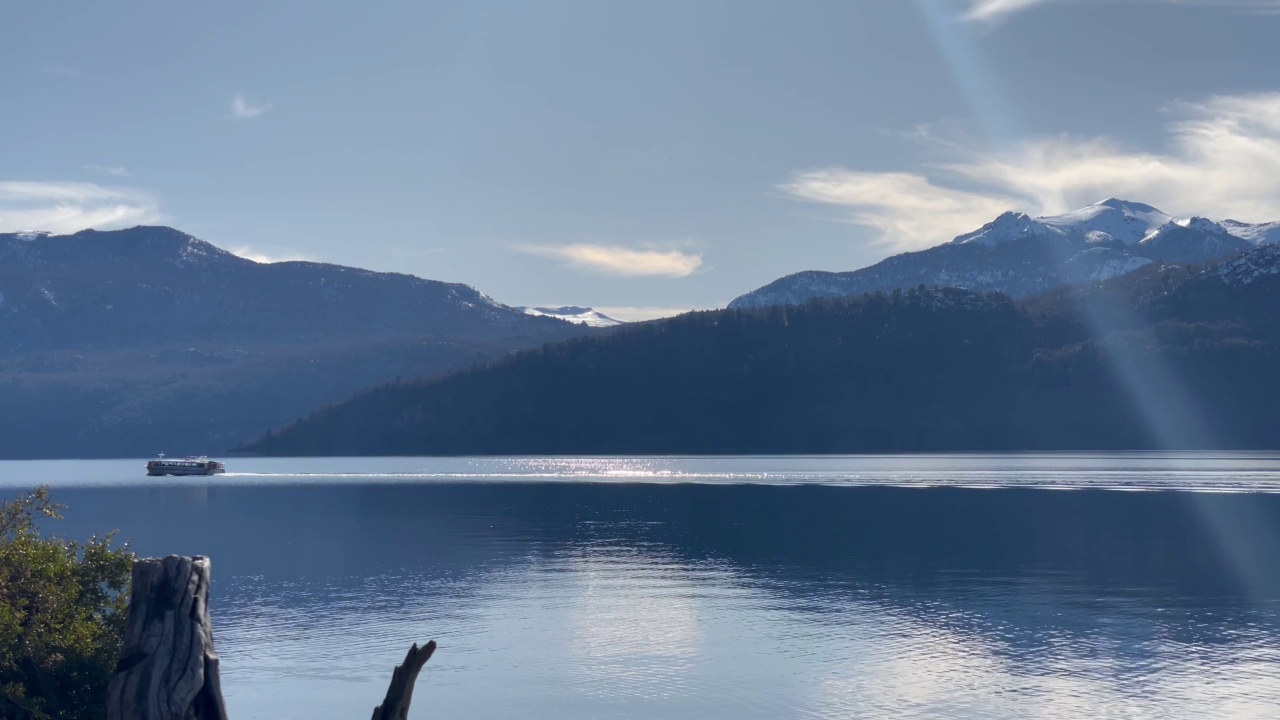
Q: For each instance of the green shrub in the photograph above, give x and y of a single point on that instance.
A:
(62, 614)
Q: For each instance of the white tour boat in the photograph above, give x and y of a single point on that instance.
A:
(189, 465)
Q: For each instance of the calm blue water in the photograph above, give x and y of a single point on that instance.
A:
(908, 587)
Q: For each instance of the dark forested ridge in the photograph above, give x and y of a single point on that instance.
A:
(130, 342)
(1164, 358)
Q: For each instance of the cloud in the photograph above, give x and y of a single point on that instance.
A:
(909, 210)
(242, 109)
(992, 11)
(996, 10)
(616, 260)
(1222, 161)
(116, 170)
(268, 257)
(66, 207)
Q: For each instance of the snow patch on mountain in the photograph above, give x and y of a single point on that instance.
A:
(1195, 223)
(1128, 222)
(1007, 227)
(1102, 263)
(1260, 234)
(1192, 240)
(573, 314)
(1250, 267)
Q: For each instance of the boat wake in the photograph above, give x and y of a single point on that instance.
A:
(1198, 482)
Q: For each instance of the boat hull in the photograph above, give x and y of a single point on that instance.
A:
(183, 471)
(160, 468)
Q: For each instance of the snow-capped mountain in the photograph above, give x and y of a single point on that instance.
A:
(1263, 234)
(1021, 255)
(1109, 221)
(573, 314)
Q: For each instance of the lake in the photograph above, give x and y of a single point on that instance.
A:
(1055, 586)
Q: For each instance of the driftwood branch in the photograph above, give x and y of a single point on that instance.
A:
(396, 705)
(168, 669)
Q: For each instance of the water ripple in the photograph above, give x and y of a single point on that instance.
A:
(585, 588)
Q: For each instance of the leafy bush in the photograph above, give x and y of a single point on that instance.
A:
(62, 614)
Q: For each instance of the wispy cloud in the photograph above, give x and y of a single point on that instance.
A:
(242, 109)
(267, 256)
(1222, 161)
(992, 11)
(64, 207)
(115, 170)
(909, 210)
(616, 260)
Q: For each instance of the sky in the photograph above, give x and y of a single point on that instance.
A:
(640, 158)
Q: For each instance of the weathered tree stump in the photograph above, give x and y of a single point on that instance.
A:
(168, 669)
(396, 705)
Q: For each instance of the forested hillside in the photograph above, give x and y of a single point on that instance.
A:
(131, 342)
(1159, 359)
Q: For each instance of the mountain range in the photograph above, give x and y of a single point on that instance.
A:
(1159, 358)
(129, 342)
(1021, 256)
(135, 341)
(574, 314)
